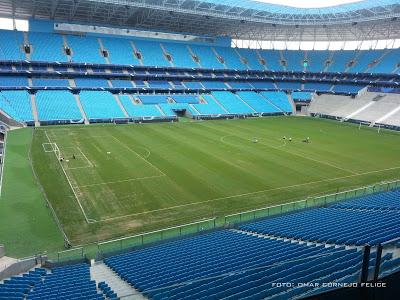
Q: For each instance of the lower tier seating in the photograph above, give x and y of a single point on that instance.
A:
(69, 283)
(100, 105)
(230, 265)
(332, 225)
(380, 201)
(56, 105)
(17, 104)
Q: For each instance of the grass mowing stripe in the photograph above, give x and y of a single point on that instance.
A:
(26, 224)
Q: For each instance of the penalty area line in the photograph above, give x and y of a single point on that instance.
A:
(119, 181)
(246, 194)
(88, 220)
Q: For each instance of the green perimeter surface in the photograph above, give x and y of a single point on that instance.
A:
(26, 224)
(129, 179)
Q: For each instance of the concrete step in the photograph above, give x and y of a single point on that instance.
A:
(101, 272)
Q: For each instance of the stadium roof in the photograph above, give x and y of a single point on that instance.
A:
(246, 19)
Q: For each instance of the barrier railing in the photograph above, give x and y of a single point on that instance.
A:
(68, 255)
(139, 240)
(156, 236)
(309, 202)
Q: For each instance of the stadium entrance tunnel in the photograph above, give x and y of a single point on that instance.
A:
(181, 112)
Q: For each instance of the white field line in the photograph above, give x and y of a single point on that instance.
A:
(125, 180)
(138, 155)
(294, 153)
(72, 188)
(90, 163)
(2, 163)
(247, 194)
(46, 150)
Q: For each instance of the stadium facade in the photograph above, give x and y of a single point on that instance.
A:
(119, 62)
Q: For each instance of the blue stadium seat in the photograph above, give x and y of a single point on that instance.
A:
(47, 47)
(85, 49)
(258, 102)
(279, 99)
(11, 43)
(17, 104)
(100, 105)
(57, 105)
(232, 103)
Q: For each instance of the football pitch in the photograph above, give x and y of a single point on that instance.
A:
(126, 179)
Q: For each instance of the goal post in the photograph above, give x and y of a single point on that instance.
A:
(370, 125)
(361, 124)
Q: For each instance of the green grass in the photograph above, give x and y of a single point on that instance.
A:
(129, 179)
(26, 224)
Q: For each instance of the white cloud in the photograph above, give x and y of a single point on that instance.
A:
(309, 3)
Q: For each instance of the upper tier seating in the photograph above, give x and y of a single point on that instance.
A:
(388, 63)
(365, 58)
(231, 58)
(85, 49)
(279, 99)
(56, 105)
(152, 53)
(334, 226)
(317, 60)
(340, 60)
(17, 104)
(100, 105)
(294, 60)
(253, 61)
(70, 282)
(272, 59)
(258, 102)
(120, 51)
(232, 103)
(230, 265)
(11, 45)
(207, 57)
(181, 56)
(47, 47)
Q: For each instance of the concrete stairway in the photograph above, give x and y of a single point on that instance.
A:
(100, 272)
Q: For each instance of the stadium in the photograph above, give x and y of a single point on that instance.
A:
(199, 149)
